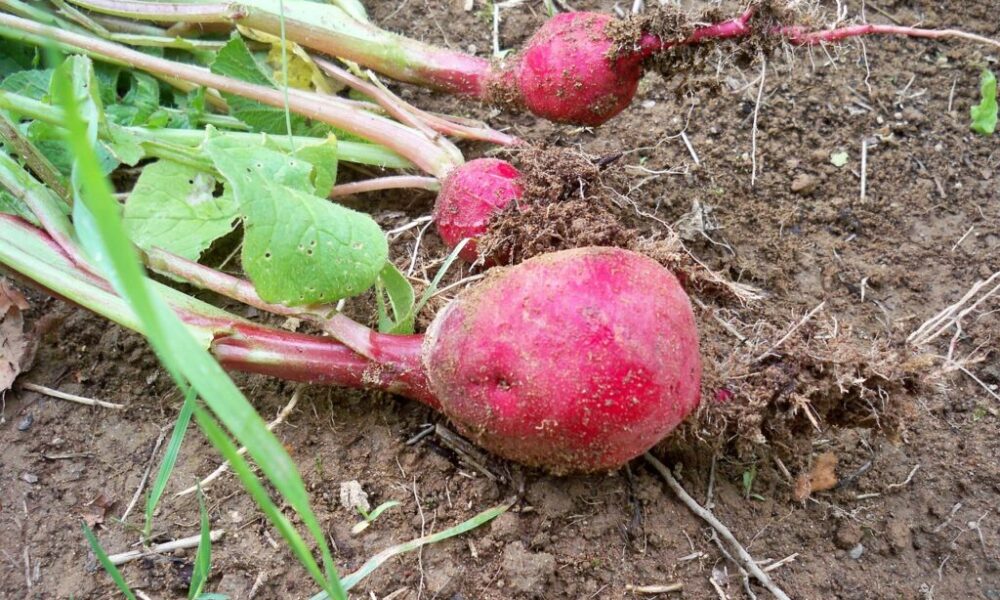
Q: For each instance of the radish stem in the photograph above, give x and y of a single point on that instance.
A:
(385, 183)
(437, 158)
(328, 29)
(237, 343)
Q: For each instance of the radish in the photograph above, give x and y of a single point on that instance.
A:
(573, 361)
(470, 195)
(575, 69)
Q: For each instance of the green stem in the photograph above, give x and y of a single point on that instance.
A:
(348, 151)
(329, 29)
(436, 157)
(36, 161)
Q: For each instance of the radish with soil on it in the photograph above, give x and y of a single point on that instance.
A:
(574, 361)
(579, 67)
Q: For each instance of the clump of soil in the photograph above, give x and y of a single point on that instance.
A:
(815, 381)
(519, 234)
(561, 209)
(551, 174)
(670, 23)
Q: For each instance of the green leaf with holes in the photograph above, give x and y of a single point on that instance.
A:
(298, 248)
(179, 209)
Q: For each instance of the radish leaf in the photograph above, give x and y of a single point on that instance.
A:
(984, 114)
(298, 248)
(33, 84)
(235, 60)
(175, 207)
(401, 299)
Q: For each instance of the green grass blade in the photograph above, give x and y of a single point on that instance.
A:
(181, 355)
(381, 508)
(203, 558)
(253, 486)
(436, 281)
(379, 559)
(102, 557)
(169, 459)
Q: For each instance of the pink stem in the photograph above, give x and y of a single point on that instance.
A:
(432, 157)
(404, 112)
(339, 35)
(297, 357)
(341, 327)
(386, 183)
(740, 27)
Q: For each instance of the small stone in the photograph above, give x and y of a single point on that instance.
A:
(804, 183)
(647, 104)
(353, 497)
(25, 423)
(29, 477)
(442, 578)
(856, 552)
(235, 584)
(527, 571)
(505, 526)
(913, 115)
(899, 535)
(848, 535)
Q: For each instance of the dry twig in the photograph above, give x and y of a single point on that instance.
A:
(745, 560)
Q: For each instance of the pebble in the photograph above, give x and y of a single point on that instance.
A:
(25, 423)
(856, 552)
(804, 183)
(913, 115)
(353, 496)
(29, 477)
(848, 535)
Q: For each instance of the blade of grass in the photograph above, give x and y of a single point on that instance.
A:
(169, 459)
(253, 486)
(102, 557)
(381, 508)
(185, 360)
(379, 559)
(203, 558)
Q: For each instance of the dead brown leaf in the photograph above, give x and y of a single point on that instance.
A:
(822, 477)
(16, 345)
(98, 508)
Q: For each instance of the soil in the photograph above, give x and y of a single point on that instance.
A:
(915, 510)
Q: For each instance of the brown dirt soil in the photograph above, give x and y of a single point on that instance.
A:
(916, 510)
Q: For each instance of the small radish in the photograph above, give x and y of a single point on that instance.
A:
(568, 73)
(470, 195)
(573, 361)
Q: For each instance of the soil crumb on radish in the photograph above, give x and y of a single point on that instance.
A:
(669, 23)
(517, 235)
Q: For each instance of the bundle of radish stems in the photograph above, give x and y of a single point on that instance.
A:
(574, 361)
